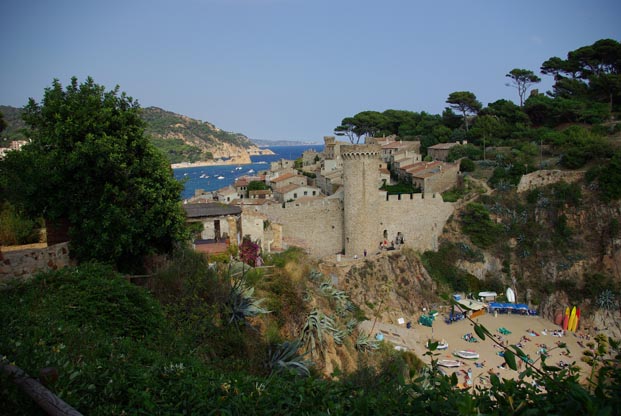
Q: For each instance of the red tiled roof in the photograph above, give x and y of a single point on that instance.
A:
(283, 177)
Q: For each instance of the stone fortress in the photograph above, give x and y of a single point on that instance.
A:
(349, 214)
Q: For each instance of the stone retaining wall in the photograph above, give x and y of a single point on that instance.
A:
(547, 177)
(27, 262)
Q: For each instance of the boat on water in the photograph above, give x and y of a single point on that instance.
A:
(251, 171)
(449, 363)
(220, 177)
(467, 354)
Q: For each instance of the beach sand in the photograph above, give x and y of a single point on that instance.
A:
(415, 338)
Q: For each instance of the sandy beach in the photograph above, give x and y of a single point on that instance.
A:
(415, 338)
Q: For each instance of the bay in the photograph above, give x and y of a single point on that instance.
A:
(210, 178)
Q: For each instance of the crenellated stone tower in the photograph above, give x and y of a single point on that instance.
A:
(361, 198)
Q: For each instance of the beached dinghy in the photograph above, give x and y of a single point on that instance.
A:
(449, 363)
(467, 354)
(442, 345)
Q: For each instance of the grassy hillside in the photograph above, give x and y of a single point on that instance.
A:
(180, 138)
(184, 139)
(13, 118)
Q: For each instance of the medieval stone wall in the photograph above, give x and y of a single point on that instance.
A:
(28, 262)
(316, 226)
(547, 177)
(419, 217)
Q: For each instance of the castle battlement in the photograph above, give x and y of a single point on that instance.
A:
(360, 151)
(421, 197)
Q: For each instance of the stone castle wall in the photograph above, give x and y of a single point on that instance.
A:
(26, 263)
(419, 217)
(316, 226)
(547, 177)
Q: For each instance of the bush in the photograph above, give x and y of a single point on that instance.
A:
(477, 224)
(467, 165)
(15, 228)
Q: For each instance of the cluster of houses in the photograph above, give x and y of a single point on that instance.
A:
(321, 174)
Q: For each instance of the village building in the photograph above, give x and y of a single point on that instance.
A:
(440, 151)
(310, 157)
(220, 223)
(433, 176)
(287, 179)
(294, 191)
(261, 194)
(226, 194)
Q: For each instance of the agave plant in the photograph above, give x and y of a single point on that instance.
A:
(351, 325)
(365, 343)
(287, 359)
(315, 275)
(242, 303)
(314, 329)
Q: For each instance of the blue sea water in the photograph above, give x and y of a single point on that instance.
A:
(206, 177)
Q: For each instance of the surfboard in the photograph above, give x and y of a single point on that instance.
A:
(577, 318)
(566, 318)
(572, 319)
(510, 295)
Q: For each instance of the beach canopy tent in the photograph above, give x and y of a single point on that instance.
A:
(426, 320)
(508, 307)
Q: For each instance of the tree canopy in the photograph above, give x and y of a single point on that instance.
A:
(466, 102)
(89, 163)
(522, 80)
(592, 72)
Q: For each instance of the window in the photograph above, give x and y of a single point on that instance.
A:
(295, 195)
(305, 193)
(313, 193)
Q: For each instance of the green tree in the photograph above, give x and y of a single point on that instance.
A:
(592, 72)
(2, 122)
(486, 127)
(363, 124)
(90, 163)
(466, 102)
(522, 80)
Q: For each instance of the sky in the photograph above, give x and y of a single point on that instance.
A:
(291, 69)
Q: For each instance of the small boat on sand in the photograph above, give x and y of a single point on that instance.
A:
(449, 363)
(467, 354)
(442, 345)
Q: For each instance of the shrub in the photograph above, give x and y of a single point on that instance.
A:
(477, 224)
(15, 228)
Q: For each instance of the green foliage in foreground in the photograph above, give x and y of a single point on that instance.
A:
(117, 352)
(15, 228)
(89, 163)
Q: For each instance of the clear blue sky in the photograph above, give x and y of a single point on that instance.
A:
(291, 69)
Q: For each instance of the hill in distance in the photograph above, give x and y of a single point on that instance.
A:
(182, 139)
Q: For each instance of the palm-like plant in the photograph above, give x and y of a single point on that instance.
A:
(314, 330)
(242, 304)
(365, 343)
(287, 359)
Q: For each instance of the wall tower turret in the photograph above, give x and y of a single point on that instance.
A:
(361, 198)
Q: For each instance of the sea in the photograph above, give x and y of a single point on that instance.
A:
(210, 178)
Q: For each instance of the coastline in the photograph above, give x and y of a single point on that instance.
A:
(209, 163)
(219, 162)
